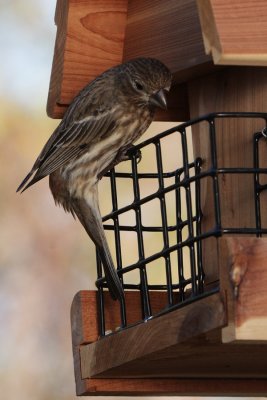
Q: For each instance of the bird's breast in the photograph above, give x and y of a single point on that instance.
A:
(82, 173)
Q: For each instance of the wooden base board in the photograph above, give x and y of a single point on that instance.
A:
(199, 364)
(201, 349)
(173, 387)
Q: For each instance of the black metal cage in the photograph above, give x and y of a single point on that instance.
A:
(171, 242)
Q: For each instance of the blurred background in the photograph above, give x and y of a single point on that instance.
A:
(45, 256)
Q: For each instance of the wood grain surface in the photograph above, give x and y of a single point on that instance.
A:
(243, 274)
(198, 364)
(108, 357)
(90, 37)
(168, 30)
(174, 387)
(93, 36)
(234, 89)
(235, 32)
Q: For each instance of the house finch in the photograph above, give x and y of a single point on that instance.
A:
(97, 130)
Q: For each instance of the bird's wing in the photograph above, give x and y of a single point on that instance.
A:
(68, 141)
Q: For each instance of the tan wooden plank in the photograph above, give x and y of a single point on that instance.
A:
(84, 320)
(175, 387)
(84, 313)
(90, 37)
(244, 277)
(61, 20)
(235, 32)
(127, 346)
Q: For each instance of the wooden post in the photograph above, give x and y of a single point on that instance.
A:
(233, 89)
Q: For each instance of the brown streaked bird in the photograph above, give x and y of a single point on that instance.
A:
(97, 130)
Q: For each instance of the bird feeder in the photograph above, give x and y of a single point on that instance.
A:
(202, 329)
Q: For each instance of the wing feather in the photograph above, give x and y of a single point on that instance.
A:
(68, 141)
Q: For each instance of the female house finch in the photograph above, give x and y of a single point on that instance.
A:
(98, 128)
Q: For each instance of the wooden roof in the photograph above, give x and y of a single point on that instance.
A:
(95, 35)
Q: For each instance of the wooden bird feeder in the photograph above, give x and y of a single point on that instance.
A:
(206, 335)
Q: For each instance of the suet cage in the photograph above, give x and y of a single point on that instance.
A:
(176, 199)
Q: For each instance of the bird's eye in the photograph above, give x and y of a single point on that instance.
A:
(138, 85)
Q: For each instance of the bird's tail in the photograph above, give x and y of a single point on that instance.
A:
(89, 215)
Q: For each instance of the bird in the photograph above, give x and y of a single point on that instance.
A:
(99, 127)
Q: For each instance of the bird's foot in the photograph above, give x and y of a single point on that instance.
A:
(133, 152)
(125, 155)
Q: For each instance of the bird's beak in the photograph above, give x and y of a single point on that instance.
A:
(159, 99)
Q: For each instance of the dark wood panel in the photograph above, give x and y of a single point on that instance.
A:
(168, 30)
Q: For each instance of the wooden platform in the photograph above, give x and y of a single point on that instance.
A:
(205, 348)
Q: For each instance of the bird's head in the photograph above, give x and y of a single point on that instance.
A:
(147, 81)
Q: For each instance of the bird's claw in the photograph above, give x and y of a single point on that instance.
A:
(133, 152)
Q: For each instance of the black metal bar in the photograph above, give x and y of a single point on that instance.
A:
(150, 228)
(100, 297)
(117, 242)
(146, 308)
(175, 286)
(257, 185)
(190, 225)
(170, 188)
(164, 223)
(115, 219)
(179, 236)
(194, 121)
(216, 195)
(199, 215)
(149, 175)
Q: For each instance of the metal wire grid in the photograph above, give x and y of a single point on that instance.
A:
(187, 177)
